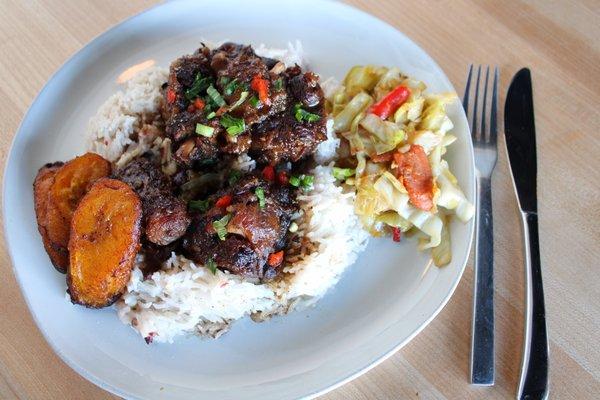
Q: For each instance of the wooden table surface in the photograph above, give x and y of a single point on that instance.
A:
(557, 40)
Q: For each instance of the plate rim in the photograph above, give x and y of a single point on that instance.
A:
(106, 385)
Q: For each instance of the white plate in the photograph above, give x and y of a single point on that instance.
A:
(383, 300)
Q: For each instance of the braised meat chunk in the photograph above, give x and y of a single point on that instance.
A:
(230, 101)
(165, 216)
(245, 225)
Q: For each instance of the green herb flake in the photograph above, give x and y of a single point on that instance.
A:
(220, 226)
(199, 205)
(199, 85)
(204, 130)
(278, 84)
(254, 102)
(260, 194)
(342, 174)
(234, 126)
(211, 265)
(304, 182)
(211, 115)
(215, 96)
(304, 116)
(234, 176)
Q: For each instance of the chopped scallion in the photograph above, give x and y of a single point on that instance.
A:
(230, 87)
(220, 226)
(204, 130)
(260, 194)
(342, 173)
(242, 98)
(304, 182)
(211, 115)
(234, 126)
(200, 84)
(254, 101)
(234, 176)
(278, 84)
(211, 265)
(303, 115)
(215, 96)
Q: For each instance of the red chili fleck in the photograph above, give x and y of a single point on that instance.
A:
(396, 234)
(261, 86)
(171, 96)
(269, 173)
(199, 104)
(283, 178)
(275, 259)
(224, 201)
(191, 108)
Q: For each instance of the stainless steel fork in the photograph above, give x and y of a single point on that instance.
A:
(484, 132)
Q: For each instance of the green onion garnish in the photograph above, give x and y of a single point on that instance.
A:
(342, 173)
(278, 84)
(220, 226)
(305, 182)
(224, 80)
(211, 115)
(234, 126)
(254, 101)
(211, 265)
(200, 84)
(303, 115)
(204, 130)
(199, 205)
(215, 96)
(230, 87)
(234, 176)
(243, 96)
(260, 194)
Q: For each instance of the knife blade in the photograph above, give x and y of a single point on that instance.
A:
(519, 131)
(519, 126)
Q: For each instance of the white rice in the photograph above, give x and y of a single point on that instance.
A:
(183, 298)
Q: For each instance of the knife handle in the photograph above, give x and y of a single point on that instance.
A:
(533, 383)
(482, 335)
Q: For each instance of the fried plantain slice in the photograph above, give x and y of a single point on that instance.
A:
(70, 183)
(44, 179)
(105, 238)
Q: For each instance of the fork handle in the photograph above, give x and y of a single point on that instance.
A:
(533, 384)
(482, 337)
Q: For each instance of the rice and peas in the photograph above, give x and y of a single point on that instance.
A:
(184, 298)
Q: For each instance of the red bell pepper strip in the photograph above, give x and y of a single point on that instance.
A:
(269, 173)
(275, 258)
(415, 174)
(391, 102)
(224, 201)
(261, 86)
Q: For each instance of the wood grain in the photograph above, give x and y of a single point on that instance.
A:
(557, 40)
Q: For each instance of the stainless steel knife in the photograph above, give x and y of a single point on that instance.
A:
(519, 130)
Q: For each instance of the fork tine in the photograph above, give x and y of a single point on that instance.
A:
(467, 90)
(484, 106)
(475, 103)
(494, 109)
